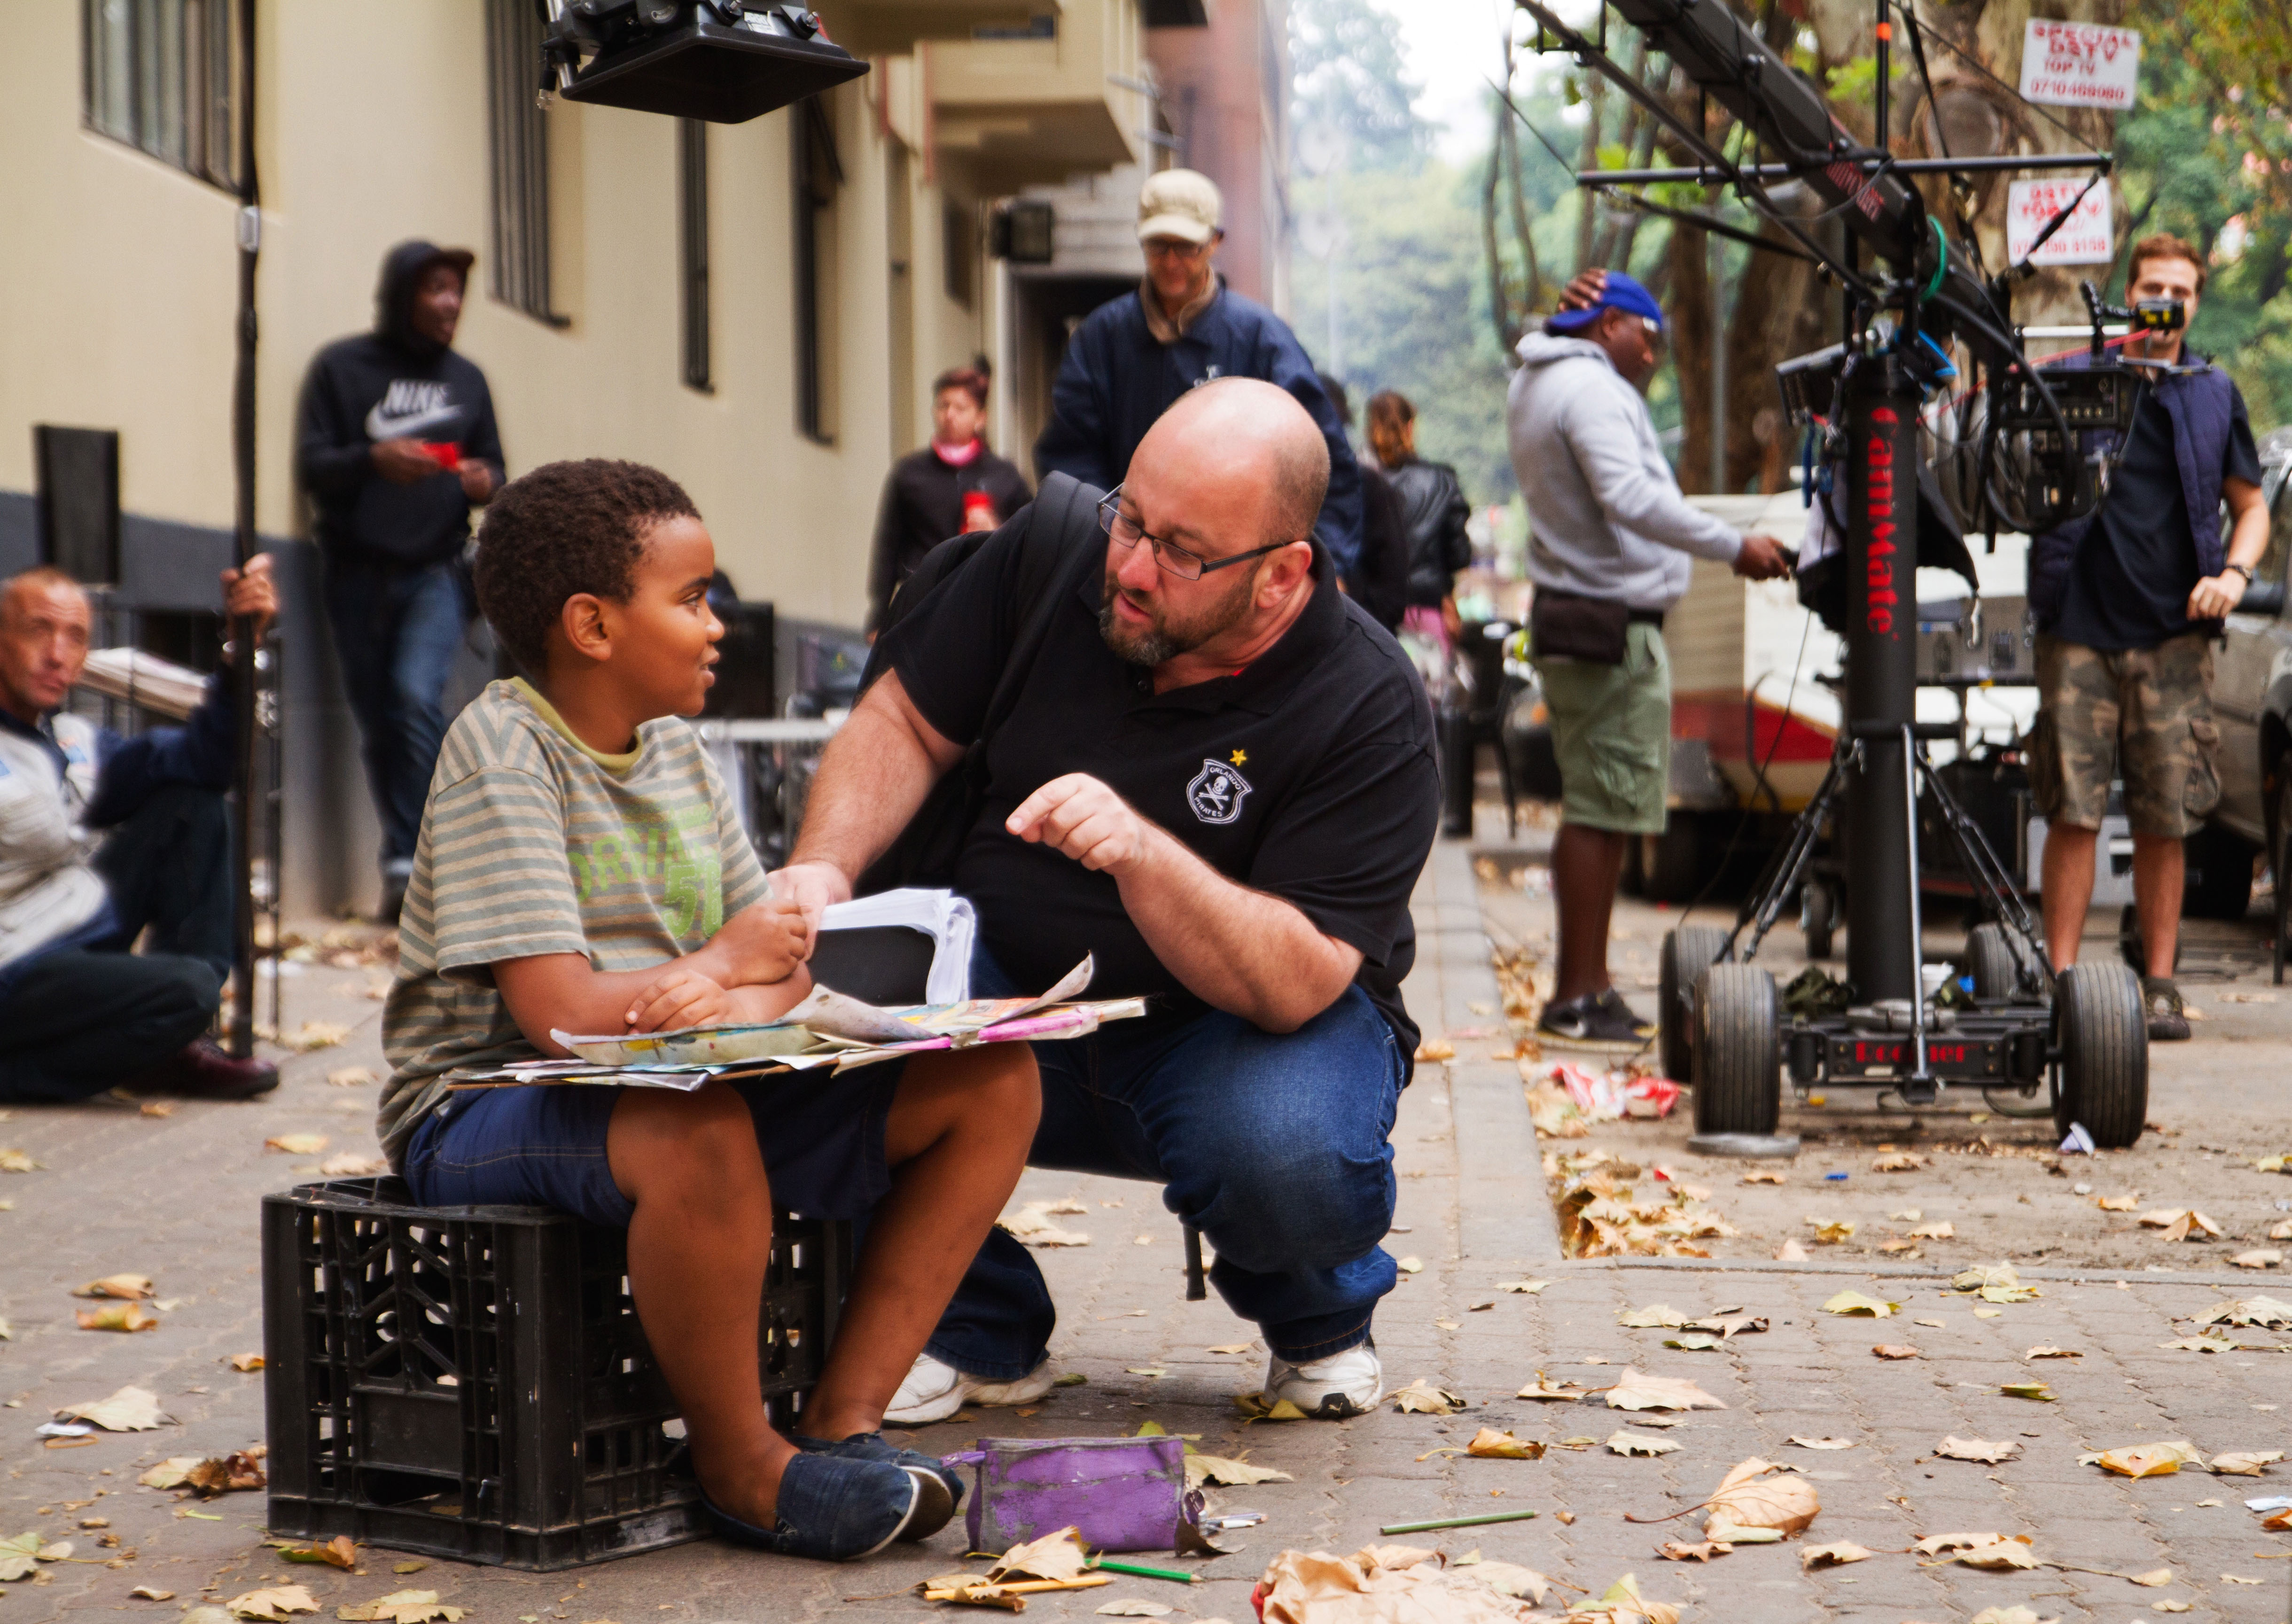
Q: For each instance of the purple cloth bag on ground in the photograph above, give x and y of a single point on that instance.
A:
(1125, 1494)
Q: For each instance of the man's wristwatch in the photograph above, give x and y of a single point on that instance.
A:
(2243, 570)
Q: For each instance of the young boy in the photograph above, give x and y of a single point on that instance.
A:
(581, 869)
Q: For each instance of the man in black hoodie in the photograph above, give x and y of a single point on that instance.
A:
(396, 443)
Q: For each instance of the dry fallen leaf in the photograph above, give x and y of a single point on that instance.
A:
(296, 1144)
(1489, 1444)
(2000, 1555)
(1895, 1350)
(2117, 1203)
(1133, 1608)
(1409, 1265)
(2041, 1391)
(1790, 1251)
(410, 1607)
(1432, 1050)
(1764, 1176)
(2260, 1257)
(1855, 1302)
(1507, 1579)
(1678, 1550)
(2266, 1311)
(2210, 1343)
(274, 1602)
(1978, 1449)
(1657, 1314)
(1625, 1441)
(17, 1161)
(1758, 1494)
(2153, 1578)
(2008, 1615)
(1635, 1391)
(246, 1361)
(1943, 1231)
(339, 1552)
(318, 1035)
(1832, 1234)
(238, 1471)
(1058, 1555)
(1836, 1555)
(2169, 1605)
(352, 1076)
(131, 1409)
(127, 1288)
(1421, 1397)
(1236, 1474)
(349, 1164)
(169, 1473)
(1898, 1162)
(2043, 1351)
(1822, 1443)
(1530, 1287)
(118, 1316)
(1622, 1604)
(1544, 1387)
(2146, 1459)
(150, 1593)
(2246, 1463)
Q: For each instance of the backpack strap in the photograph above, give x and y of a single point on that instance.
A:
(1059, 527)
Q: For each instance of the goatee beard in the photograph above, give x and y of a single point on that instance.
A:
(1155, 644)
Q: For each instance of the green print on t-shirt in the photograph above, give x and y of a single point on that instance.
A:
(653, 847)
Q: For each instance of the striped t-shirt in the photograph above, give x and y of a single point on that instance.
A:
(533, 842)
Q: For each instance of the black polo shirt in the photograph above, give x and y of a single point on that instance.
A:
(1309, 774)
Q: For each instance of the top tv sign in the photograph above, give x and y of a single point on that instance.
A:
(2079, 64)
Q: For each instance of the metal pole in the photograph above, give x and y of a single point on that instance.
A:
(245, 679)
(1718, 279)
(1882, 423)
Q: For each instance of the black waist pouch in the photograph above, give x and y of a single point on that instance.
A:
(1565, 626)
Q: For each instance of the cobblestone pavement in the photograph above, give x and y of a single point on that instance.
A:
(175, 1198)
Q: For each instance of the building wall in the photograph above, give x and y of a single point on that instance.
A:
(373, 127)
(1225, 94)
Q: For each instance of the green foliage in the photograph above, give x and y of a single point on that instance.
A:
(1346, 70)
(2180, 159)
(1413, 303)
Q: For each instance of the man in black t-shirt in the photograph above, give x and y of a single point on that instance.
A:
(1217, 778)
(2127, 603)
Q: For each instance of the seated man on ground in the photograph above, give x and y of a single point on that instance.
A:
(581, 868)
(82, 1012)
(1217, 776)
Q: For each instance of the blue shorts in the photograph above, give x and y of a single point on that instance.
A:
(543, 1146)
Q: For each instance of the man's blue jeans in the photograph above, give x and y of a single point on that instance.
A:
(397, 630)
(1276, 1146)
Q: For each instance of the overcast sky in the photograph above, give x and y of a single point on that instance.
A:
(1453, 48)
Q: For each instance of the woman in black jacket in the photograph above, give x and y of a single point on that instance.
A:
(953, 485)
(1433, 511)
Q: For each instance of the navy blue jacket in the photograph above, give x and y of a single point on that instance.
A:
(2201, 403)
(1117, 378)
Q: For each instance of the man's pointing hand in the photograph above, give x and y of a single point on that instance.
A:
(1077, 815)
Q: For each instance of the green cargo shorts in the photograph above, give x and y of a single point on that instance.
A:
(2144, 714)
(1612, 732)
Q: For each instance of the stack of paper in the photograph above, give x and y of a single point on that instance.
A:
(828, 1031)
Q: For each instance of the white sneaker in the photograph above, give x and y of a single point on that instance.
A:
(934, 1391)
(1346, 1384)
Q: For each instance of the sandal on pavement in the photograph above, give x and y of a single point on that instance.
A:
(835, 1509)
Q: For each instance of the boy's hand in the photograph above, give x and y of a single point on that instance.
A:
(762, 944)
(814, 887)
(682, 996)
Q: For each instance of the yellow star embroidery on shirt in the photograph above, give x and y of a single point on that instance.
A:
(1240, 756)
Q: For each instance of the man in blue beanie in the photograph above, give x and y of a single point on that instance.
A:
(1609, 551)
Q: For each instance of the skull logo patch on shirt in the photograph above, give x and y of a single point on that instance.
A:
(1216, 793)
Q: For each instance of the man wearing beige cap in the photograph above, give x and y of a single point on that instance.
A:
(1135, 355)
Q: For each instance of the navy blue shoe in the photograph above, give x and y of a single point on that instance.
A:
(835, 1508)
(874, 1446)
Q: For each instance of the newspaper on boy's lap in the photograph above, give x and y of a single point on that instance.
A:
(828, 1030)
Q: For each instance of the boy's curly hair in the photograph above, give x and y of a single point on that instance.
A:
(563, 528)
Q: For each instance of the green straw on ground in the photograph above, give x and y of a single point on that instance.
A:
(1421, 1528)
(1140, 1571)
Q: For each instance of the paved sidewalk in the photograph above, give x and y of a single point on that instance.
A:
(175, 1198)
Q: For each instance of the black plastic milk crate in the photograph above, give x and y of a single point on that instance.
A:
(471, 1382)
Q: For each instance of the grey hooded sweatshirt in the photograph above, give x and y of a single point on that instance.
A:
(1605, 516)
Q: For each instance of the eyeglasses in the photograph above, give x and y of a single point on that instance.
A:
(1173, 247)
(1174, 560)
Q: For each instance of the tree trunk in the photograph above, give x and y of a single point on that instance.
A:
(1692, 312)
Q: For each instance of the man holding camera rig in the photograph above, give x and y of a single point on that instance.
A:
(2128, 601)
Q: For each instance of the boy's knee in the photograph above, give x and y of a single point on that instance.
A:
(700, 1148)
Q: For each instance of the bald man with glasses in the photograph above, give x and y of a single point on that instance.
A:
(1217, 778)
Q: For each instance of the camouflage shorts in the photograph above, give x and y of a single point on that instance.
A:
(2146, 714)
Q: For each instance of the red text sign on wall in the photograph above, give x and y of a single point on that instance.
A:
(2079, 64)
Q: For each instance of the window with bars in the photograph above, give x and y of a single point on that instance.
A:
(165, 77)
(518, 141)
(818, 178)
(692, 247)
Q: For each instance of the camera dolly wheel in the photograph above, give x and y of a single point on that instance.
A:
(1818, 918)
(1738, 1051)
(2103, 1033)
(1989, 960)
(1687, 952)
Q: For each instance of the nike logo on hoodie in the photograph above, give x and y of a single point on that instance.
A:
(408, 407)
